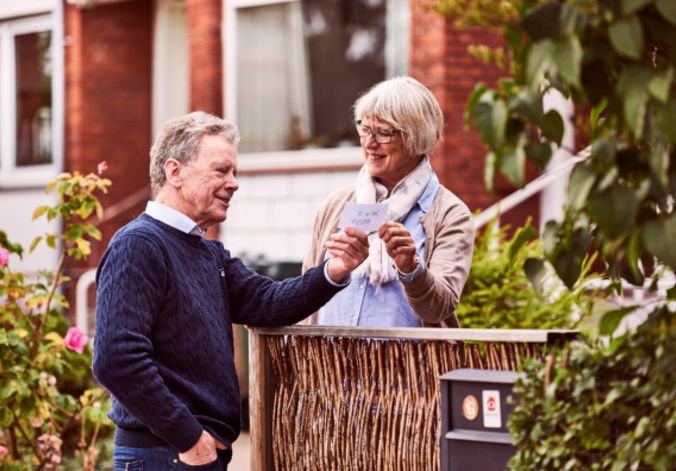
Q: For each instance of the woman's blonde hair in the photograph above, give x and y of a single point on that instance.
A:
(407, 105)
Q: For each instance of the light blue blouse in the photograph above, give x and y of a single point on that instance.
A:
(364, 304)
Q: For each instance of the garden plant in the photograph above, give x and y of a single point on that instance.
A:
(50, 406)
(609, 403)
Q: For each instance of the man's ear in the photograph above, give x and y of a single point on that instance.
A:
(172, 170)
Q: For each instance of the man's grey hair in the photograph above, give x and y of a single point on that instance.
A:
(180, 138)
(407, 105)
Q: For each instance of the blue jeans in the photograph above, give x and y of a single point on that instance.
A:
(162, 459)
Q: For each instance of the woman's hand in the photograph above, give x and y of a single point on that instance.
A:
(348, 250)
(399, 244)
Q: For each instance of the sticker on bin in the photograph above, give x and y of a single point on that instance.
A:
(491, 408)
(470, 407)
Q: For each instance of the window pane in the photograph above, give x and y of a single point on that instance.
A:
(33, 99)
(300, 67)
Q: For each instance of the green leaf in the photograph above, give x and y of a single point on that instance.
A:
(660, 85)
(527, 103)
(552, 126)
(667, 9)
(512, 164)
(39, 211)
(632, 88)
(630, 6)
(540, 153)
(626, 37)
(666, 117)
(568, 59)
(479, 90)
(603, 153)
(633, 251)
(611, 319)
(596, 111)
(51, 241)
(550, 237)
(535, 272)
(538, 62)
(6, 416)
(522, 236)
(34, 244)
(580, 184)
(659, 163)
(615, 210)
(571, 19)
(92, 231)
(490, 120)
(9, 388)
(87, 208)
(659, 236)
(567, 267)
(489, 170)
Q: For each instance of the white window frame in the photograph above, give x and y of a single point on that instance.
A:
(306, 159)
(11, 175)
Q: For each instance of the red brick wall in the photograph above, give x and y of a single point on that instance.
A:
(108, 101)
(204, 19)
(440, 60)
(206, 57)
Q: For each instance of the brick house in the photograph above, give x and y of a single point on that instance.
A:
(83, 81)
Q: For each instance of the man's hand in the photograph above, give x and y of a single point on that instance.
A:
(348, 250)
(202, 452)
(399, 245)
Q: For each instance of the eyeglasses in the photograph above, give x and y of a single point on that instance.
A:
(381, 136)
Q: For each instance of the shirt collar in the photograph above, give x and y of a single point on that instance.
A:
(428, 195)
(173, 218)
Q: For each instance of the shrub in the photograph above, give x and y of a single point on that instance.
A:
(49, 404)
(599, 407)
(510, 287)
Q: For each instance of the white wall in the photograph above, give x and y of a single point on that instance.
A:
(272, 215)
(16, 213)
(13, 8)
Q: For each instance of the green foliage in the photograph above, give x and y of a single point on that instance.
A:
(49, 403)
(601, 408)
(510, 286)
(616, 59)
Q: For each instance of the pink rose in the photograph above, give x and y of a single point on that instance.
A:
(75, 340)
(4, 256)
(3, 451)
(102, 167)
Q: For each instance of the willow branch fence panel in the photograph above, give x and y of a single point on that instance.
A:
(337, 398)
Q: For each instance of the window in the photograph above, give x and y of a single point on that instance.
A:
(294, 68)
(27, 114)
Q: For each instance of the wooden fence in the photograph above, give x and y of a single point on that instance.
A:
(332, 398)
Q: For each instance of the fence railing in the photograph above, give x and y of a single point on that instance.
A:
(334, 398)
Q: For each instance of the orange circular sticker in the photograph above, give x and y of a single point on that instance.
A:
(470, 407)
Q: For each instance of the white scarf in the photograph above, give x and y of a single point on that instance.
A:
(379, 266)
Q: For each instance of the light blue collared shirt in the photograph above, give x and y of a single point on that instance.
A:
(173, 218)
(364, 304)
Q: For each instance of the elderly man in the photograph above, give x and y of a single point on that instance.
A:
(167, 299)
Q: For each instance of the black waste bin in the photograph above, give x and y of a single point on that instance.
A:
(475, 411)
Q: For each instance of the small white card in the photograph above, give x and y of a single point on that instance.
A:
(367, 217)
(491, 408)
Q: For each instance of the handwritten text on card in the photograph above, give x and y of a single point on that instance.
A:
(367, 217)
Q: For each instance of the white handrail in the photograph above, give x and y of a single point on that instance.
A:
(530, 189)
(81, 299)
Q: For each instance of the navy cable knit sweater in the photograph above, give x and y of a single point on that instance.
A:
(165, 306)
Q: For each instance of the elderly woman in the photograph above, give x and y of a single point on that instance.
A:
(420, 257)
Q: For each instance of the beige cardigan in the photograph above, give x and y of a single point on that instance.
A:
(449, 243)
